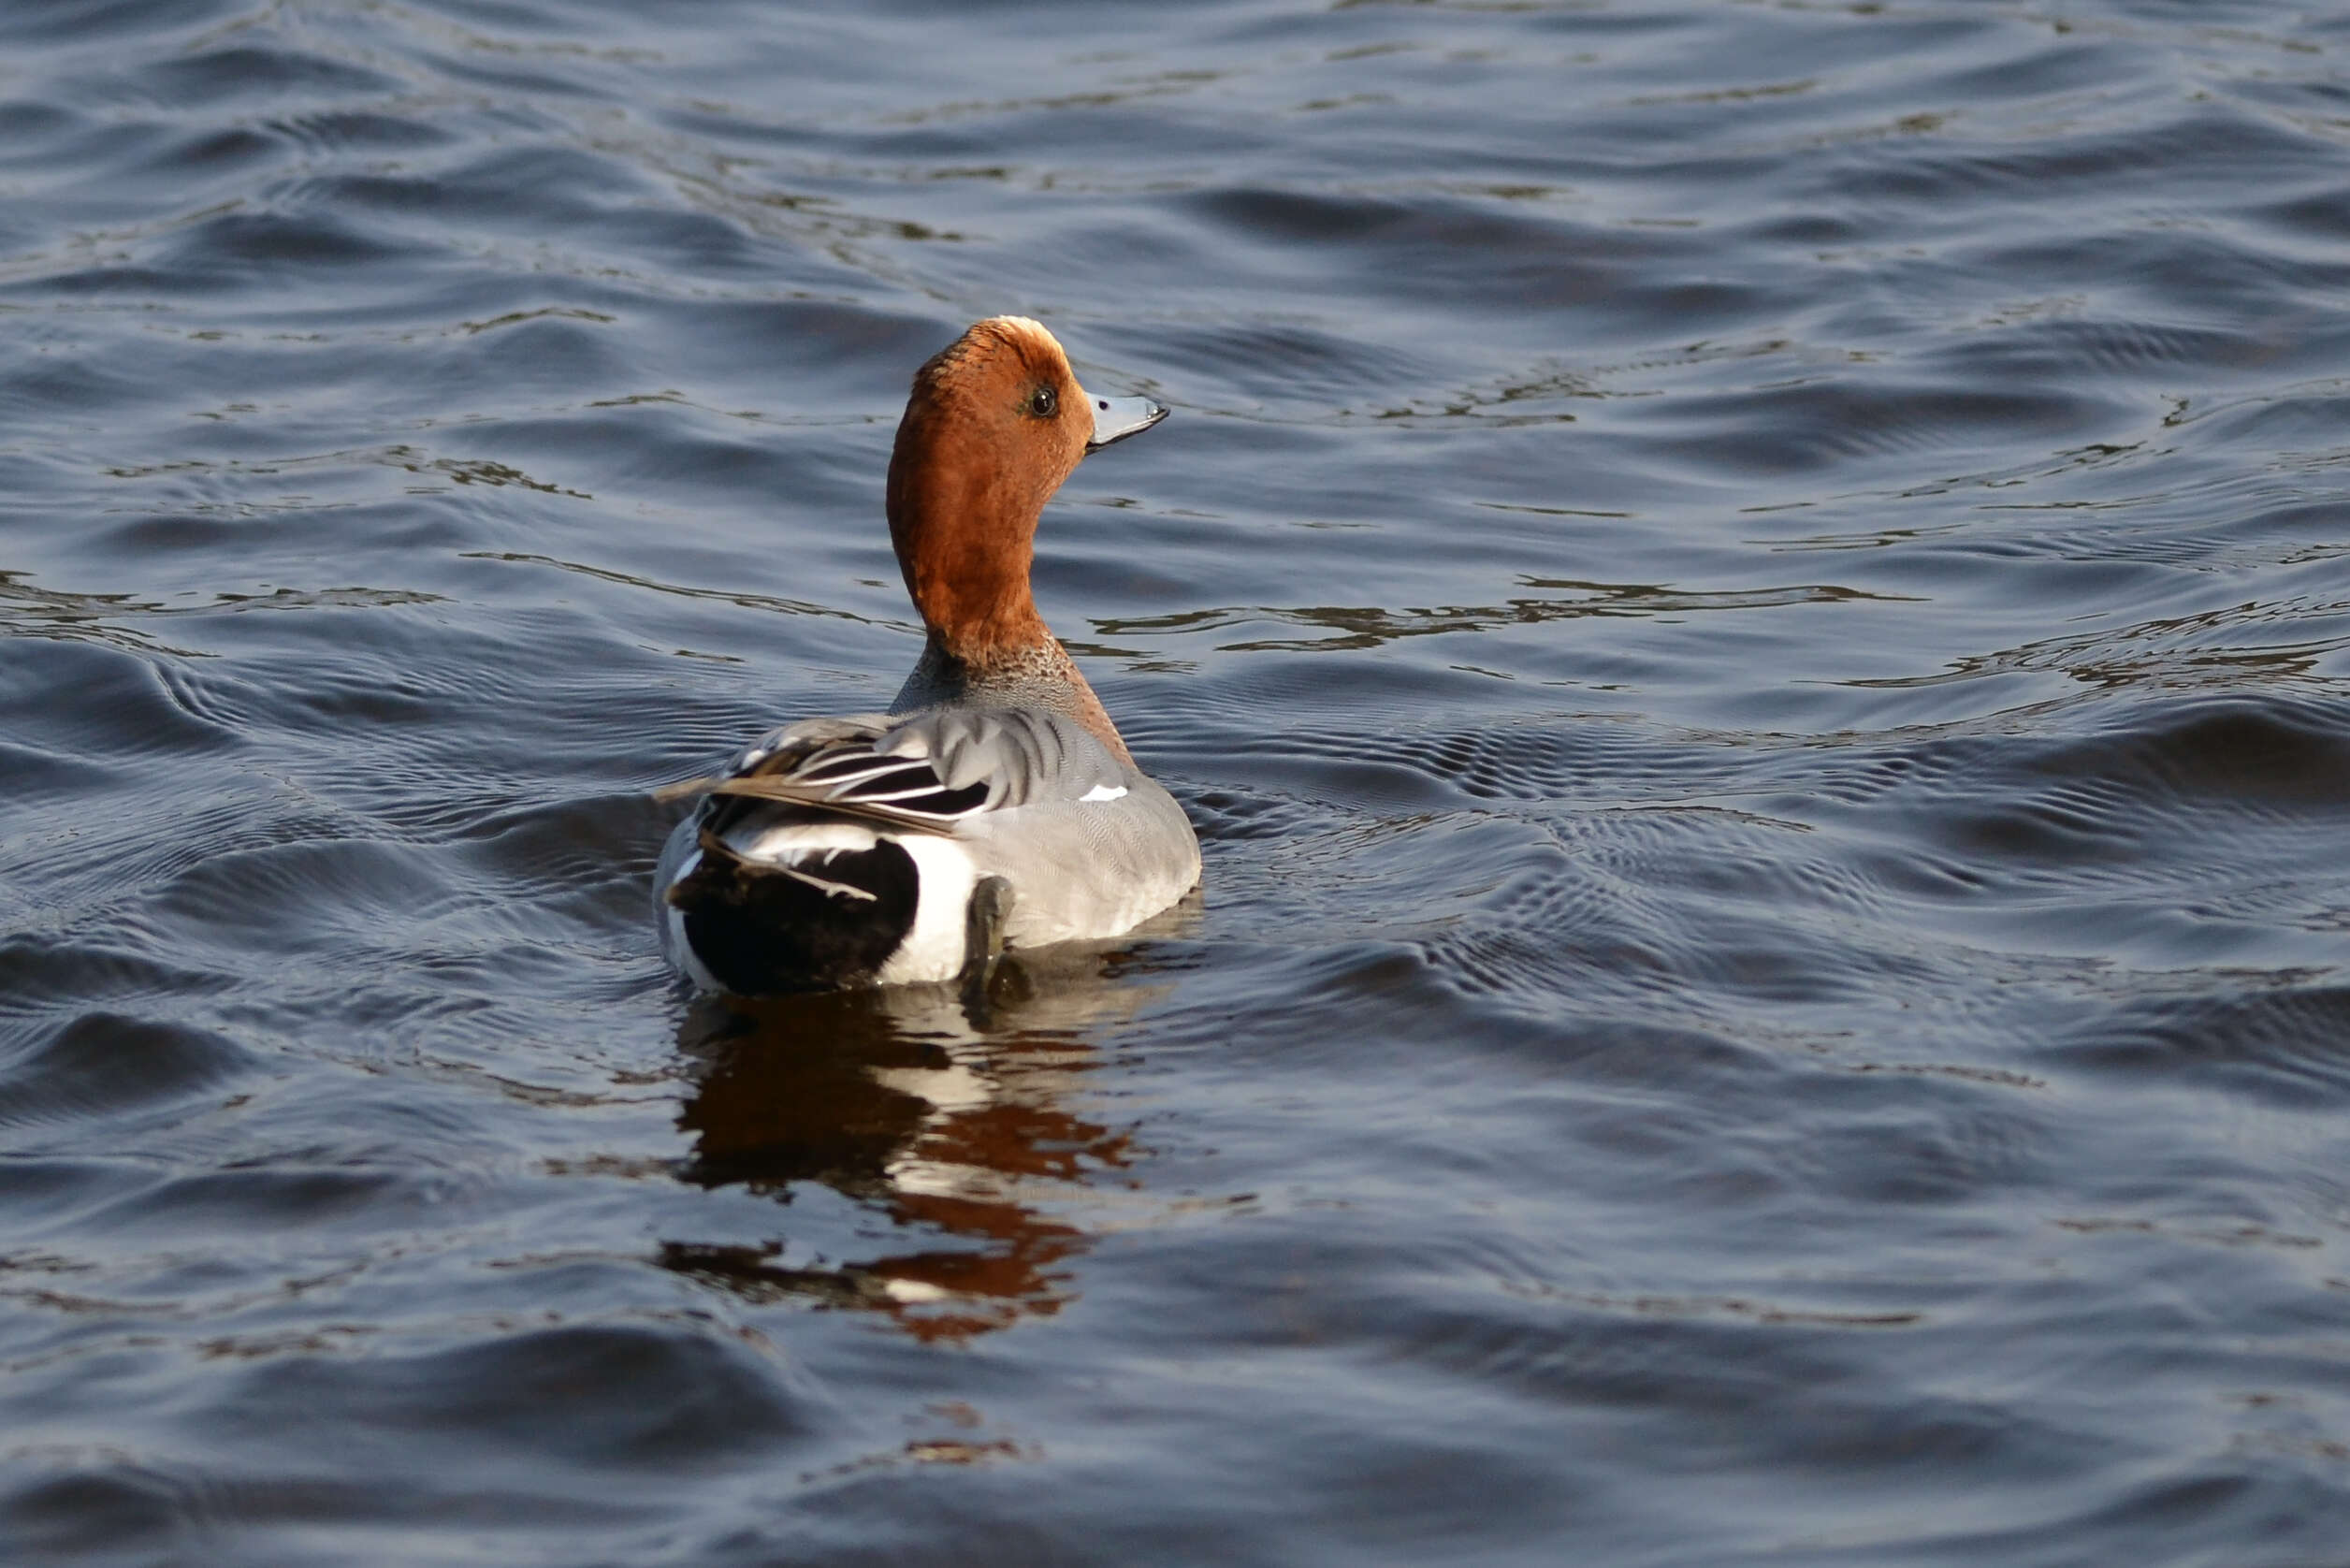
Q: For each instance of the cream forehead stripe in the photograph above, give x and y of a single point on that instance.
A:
(1029, 324)
(1037, 338)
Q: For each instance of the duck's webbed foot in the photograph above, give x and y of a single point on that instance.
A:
(983, 921)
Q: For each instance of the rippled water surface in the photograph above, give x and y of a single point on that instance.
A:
(1751, 601)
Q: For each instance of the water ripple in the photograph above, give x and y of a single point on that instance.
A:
(1770, 990)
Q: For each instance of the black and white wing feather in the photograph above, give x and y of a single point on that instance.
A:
(925, 773)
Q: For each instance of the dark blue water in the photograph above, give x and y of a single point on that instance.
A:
(1752, 603)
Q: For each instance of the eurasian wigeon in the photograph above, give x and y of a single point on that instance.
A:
(994, 804)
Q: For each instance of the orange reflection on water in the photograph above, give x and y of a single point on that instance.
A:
(961, 1115)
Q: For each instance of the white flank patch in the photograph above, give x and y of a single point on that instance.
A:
(932, 950)
(1103, 792)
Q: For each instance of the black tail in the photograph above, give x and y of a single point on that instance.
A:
(761, 930)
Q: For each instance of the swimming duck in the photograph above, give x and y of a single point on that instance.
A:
(994, 804)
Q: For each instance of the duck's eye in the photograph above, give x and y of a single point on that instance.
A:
(1044, 403)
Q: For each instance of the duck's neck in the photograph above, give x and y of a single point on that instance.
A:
(972, 596)
(965, 527)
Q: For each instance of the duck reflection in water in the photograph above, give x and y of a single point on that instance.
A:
(960, 1112)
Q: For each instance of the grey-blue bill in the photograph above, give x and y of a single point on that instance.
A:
(1116, 418)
